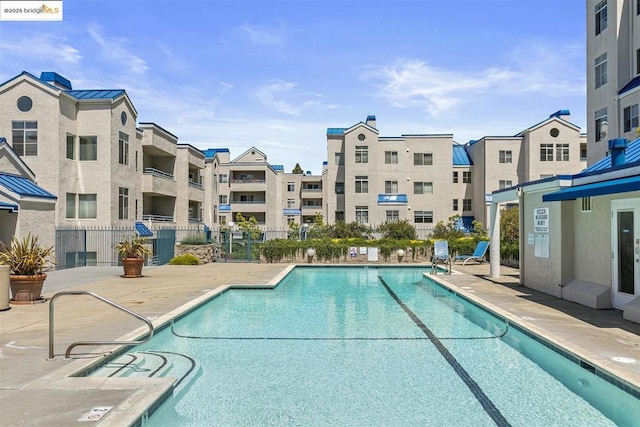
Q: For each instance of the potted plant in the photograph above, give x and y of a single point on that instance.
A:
(28, 259)
(132, 253)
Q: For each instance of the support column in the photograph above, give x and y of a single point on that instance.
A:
(494, 250)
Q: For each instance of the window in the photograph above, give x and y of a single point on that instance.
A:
(291, 203)
(466, 204)
(455, 204)
(136, 160)
(601, 16)
(601, 70)
(630, 117)
(423, 188)
(88, 148)
(87, 206)
(339, 187)
(393, 216)
(223, 178)
(455, 177)
(601, 124)
(222, 219)
(291, 219)
(362, 154)
(362, 214)
(291, 186)
(362, 184)
(339, 215)
(123, 148)
(505, 156)
(583, 152)
(339, 159)
(423, 217)
(466, 177)
(422, 159)
(638, 61)
(25, 138)
(391, 187)
(562, 152)
(586, 204)
(546, 152)
(71, 146)
(123, 203)
(504, 184)
(391, 157)
(222, 199)
(71, 205)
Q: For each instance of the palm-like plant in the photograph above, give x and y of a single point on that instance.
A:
(26, 257)
(133, 248)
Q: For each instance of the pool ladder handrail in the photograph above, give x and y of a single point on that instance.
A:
(78, 343)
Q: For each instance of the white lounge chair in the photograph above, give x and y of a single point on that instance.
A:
(440, 255)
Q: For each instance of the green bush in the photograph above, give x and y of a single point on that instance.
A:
(399, 230)
(194, 239)
(185, 259)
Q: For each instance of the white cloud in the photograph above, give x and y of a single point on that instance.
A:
(115, 49)
(283, 97)
(46, 48)
(262, 35)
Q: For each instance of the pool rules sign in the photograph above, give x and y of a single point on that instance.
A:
(541, 220)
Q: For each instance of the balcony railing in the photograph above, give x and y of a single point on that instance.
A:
(158, 173)
(314, 190)
(196, 185)
(248, 202)
(157, 218)
(248, 181)
(195, 220)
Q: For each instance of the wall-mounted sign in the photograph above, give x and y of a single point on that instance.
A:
(541, 220)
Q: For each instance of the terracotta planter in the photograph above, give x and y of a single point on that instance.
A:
(132, 267)
(26, 289)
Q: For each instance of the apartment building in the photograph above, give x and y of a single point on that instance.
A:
(613, 73)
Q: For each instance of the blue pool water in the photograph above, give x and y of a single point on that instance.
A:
(371, 346)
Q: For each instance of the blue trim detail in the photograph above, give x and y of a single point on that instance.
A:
(210, 153)
(632, 155)
(142, 230)
(24, 187)
(277, 167)
(460, 156)
(292, 212)
(560, 113)
(335, 131)
(96, 94)
(634, 83)
(614, 186)
(392, 198)
(224, 208)
(50, 76)
(4, 206)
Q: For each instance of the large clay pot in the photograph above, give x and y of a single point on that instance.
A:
(132, 267)
(26, 289)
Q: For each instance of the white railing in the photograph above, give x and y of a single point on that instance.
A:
(158, 173)
(157, 218)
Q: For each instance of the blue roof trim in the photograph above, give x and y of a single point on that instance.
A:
(277, 167)
(634, 83)
(371, 117)
(460, 156)
(209, 153)
(325, 163)
(50, 76)
(142, 230)
(632, 155)
(392, 198)
(614, 186)
(335, 131)
(24, 187)
(95, 94)
(560, 113)
(224, 208)
(4, 206)
(292, 212)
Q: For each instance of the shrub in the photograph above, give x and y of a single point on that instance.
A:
(398, 230)
(185, 259)
(194, 239)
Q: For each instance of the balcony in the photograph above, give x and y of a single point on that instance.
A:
(196, 185)
(248, 202)
(312, 190)
(157, 218)
(158, 182)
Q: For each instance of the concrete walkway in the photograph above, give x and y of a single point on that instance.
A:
(35, 391)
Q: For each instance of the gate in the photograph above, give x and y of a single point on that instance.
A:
(237, 246)
(163, 245)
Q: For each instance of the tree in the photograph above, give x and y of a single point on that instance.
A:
(343, 230)
(298, 170)
(249, 226)
(398, 230)
(294, 231)
(510, 225)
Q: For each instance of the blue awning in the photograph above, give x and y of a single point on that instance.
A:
(8, 207)
(224, 208)
(142, 230)
(614, 186)
(392, 198)
(291, 212)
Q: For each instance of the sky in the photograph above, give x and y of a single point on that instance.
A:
(276, 74)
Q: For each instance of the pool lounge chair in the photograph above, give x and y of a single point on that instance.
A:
(440, 255)
(478, 254)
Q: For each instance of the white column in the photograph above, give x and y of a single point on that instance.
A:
(495, 240)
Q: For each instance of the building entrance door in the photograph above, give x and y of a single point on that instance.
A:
(625, 245)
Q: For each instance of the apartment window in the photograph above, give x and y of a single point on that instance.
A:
(223, 199)
(291, 219)
(601, 70)
(422, 159)
(466, 204)
(391, 157)
(71, 205)
(224, 178)
(136, 160)
(291, 203)
(504, 184)
(586, 204)
(393, 216)
(87, 206)
(391, 187)
(601, 124)
(291, 186)
(455, 205)
(71, 146)
(123, 203)
(601, 16)
(562, 152)
(423, 188)
(136, 210)
(630, 117)
(362, 184)
(362, 154)
(339, 215)
(88, 148)
(423, 217)
(222, 219)
(339, 187)
(583, 152)
(25, 138)
(123, 148)
(455, 177)
(466, 177)
(362, 214)
(339, 158)
(505, 156)
(638, 60)
(546, 152)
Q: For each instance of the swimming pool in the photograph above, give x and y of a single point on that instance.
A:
(368, 346)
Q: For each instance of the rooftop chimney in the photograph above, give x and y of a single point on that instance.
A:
(56, 80)
(617, 147)
(371, 121)
(562, 114)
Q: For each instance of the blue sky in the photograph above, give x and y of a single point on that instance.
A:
(275, 74)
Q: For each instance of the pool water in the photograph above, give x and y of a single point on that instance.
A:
(370, 346)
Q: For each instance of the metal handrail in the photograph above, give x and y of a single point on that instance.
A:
(78, 343)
